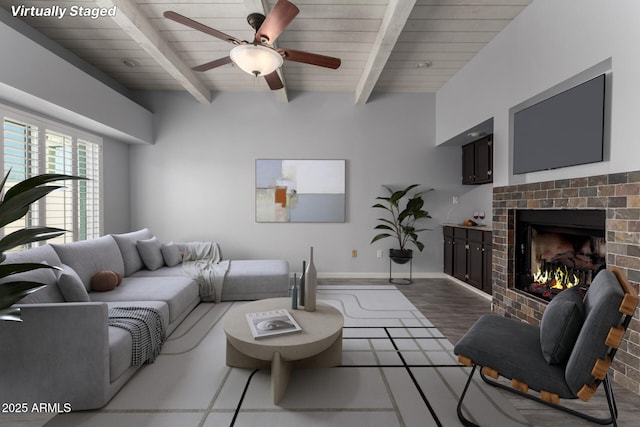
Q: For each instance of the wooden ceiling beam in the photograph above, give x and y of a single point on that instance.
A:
(131, 19)
(393, 22)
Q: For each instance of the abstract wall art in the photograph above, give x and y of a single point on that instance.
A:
(300, 190)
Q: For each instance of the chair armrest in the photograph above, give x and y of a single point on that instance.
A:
(58, 354)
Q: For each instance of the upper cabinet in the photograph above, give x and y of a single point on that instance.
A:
(477, 161)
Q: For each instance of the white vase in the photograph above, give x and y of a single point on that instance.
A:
(311, 277)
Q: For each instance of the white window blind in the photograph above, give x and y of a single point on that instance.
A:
(33, 146)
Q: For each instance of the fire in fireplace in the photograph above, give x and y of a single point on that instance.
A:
(558, 249)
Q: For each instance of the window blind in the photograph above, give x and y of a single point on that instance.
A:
(34, 146)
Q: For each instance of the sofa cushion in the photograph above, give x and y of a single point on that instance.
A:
(46, 276)
(256, 279)
(178, 292)
(71, 285)
(151, 253)
(120, 341)
(171, 254)
(40, 255)
(130, 255)
(161, 272)
(104, 281)
(560, 325)
(87, 257)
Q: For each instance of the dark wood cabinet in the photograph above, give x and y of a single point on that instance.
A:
(467, 256)
(487, 266)
(477, 161)
(460, 253)
(448, 250)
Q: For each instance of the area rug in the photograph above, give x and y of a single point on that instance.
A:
(397, 370)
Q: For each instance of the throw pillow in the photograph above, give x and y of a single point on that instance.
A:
(104, 281)
(151, 253)
(171, 254)
(71, 285)
(560, 325)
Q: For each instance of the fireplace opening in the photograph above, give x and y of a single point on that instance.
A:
(558, 249)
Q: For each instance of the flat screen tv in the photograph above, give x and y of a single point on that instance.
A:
(564, 130)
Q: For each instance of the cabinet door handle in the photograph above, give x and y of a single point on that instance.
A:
(466, 246)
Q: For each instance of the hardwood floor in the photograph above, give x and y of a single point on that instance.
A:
(453, 308)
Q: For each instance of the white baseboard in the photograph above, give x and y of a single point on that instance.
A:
(469, 287)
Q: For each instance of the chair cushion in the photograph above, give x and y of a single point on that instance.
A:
(512, 348)
(602, 304)
(561, 324)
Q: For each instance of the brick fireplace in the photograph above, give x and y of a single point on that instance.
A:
(619, 196)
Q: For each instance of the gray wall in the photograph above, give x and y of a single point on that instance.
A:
(524, 61)
(197, 181)
(116, 186)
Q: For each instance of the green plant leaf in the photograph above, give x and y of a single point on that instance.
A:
(7, 270)
(36, 181)
(4, 180)
(378, 205)
(15, 207)
(11, 293)
(403, 219)
(11, 313)
(380, 236)
(28, 235)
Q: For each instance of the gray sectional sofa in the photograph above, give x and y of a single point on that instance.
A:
(65, 352)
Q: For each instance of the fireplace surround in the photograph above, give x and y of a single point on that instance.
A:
(618, 196)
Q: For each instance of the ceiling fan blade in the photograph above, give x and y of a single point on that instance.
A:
(273, 80)
(213, 64)
(310, 58)
(181, 19)
(276, 21)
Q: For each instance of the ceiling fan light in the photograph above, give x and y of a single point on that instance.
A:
(256, 60)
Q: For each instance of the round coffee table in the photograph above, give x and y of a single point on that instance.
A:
(318, 345)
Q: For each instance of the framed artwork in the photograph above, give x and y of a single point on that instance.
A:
(300, 190)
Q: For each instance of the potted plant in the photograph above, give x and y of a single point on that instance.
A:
(406, 210)
(14, 205)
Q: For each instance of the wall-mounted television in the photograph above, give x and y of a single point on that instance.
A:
(566, 129)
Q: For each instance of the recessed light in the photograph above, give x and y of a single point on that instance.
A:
(425, 64)
(476, 134)
(129, 62)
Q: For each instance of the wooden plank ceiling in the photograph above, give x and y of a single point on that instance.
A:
(384, 45)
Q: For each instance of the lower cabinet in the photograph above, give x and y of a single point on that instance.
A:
(467, 256)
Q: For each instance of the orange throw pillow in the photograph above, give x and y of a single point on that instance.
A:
(104, 281)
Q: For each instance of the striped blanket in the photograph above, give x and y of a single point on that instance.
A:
(147, 330)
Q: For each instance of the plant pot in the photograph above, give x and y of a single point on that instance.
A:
(401, 256)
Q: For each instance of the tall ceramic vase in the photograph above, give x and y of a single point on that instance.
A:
(311, 277)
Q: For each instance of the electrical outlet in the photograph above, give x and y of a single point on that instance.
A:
(379, 253)
(456, 200)
(354, 253)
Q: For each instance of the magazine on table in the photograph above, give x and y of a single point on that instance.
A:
(274, 322)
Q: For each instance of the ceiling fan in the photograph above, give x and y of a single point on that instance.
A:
(258, 57)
